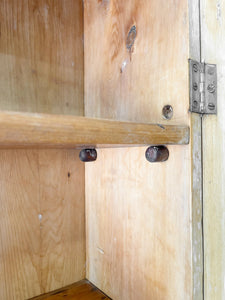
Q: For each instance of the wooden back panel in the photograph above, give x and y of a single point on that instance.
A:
(41, 221)
(41, 56)
(138, 214)
(42, 228)
(135, 84)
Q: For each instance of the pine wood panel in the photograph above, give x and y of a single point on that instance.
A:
(138, 230)
(20, 235)
(135, 84)
(41, 221)
(82, 290)
(41, 56)
(32, 130)
(213, 47)
(138, 214)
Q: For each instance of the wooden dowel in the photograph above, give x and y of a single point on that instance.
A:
(21, 130)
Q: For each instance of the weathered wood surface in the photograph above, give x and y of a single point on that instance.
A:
(42, 234)
(41, 56)
(82, 290)
(213, 49)
(139, 238)
(196, 161)
(40, 130)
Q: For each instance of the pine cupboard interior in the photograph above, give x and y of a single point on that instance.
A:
(119, 222)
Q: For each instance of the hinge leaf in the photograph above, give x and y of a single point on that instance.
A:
(202, 87)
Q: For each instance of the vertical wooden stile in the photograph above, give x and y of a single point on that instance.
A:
(213, 49)
(196, 160)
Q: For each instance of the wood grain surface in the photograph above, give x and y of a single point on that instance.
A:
(82, 290)
(134, 84)
(196, 164)
(139, 237)
(213, 47)
(42, 241)
(41, 130)
(41, 56)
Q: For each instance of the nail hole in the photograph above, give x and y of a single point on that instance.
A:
(167, 112)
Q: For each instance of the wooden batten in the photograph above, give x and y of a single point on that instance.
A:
(42, 130)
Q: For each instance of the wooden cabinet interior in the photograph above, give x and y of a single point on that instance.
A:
(120, 222)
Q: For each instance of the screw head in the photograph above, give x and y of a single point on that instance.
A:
(211, 106)
(195, 68)
(195, 86)
(195, 103)
(211, 88)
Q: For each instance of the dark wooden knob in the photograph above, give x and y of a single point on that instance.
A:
(87, 155)
(157, 154)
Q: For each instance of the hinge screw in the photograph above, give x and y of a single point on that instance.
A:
(195, 67)
(211, 88)
(195, 103)
(211, 106)
(195, 86)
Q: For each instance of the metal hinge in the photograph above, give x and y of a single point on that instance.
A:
(203, 87)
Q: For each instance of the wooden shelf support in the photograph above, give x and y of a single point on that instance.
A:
(28, 130)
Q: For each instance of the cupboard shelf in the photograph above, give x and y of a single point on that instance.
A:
(28, 130)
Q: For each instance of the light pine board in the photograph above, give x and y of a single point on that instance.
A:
(41, 56)
(139, 237)
(138, 225)
(42, 236)
(213, 48)
(135, 85)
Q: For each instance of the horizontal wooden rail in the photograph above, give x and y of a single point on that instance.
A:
(20, 130)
